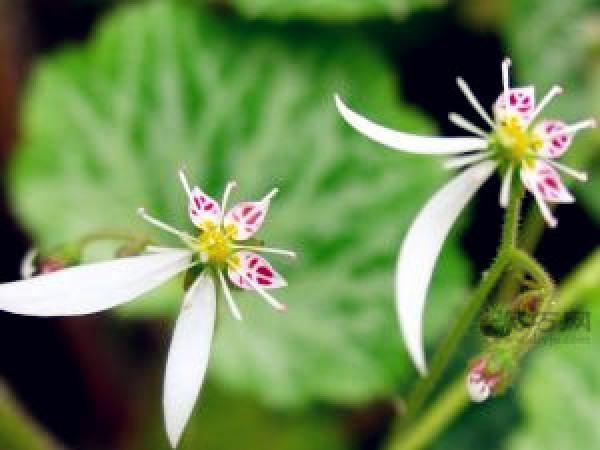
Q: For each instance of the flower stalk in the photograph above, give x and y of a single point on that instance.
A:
(453, 400)
(440, 361)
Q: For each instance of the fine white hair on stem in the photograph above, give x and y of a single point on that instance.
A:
(420, 250)
(276, 251)
(163, 226)
(407, 142)
(465, 124)
(235, 312)
(576, 174)
(465, 160)
(506, 185)
(506, 63)
(466, 90)
(553, 92)
(263, 293)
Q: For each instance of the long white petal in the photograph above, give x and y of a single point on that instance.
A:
(408, 142)
(91, 287)
(421, 248)
(188, 355)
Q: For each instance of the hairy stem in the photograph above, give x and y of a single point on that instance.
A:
(449, 344)
(453, 400)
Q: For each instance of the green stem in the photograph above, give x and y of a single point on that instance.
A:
(448, 346)
(106, 235)
(453, 400)
(529, 264)
(450, 404)
(572, 291)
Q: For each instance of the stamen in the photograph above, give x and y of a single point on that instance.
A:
(572, 129)
(578, 175)
(545, 210)
(168, 228)
(290, 254)
(231, 185)
(463, 123)
(462, 161)
(264, 294)
(464, 87)
(506, 185)
(28, 267)
(506, 79)
(270, 195)
(184, 182)
(553, 92)
(157, 249)
(235, 312)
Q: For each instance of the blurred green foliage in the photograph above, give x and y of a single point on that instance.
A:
(327, 10)
(162, 85)
(560, 390)
(225, 421)
(18, 431)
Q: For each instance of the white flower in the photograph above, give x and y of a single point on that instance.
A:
(218, 249)
(517, 141)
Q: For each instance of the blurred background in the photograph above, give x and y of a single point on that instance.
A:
(102, 101)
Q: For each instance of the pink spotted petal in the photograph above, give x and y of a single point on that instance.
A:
(544, 181)
(257, 269)
(203, 208)
(247, 217)
(555, 143)
(521, 101)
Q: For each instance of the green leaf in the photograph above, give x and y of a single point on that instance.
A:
(161, 85)
(558, 42)
(329, 10)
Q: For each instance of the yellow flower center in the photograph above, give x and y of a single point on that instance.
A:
(516, 139)
(215, 243)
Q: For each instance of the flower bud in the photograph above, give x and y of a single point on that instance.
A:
(528, 307)
(496, 321)
(35, 263)
(480, 383)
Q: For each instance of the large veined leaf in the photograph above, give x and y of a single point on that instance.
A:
(558, 42)
(329, 10)
(162, 85)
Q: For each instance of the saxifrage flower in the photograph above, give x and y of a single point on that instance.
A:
(518, 141)
(222, 249)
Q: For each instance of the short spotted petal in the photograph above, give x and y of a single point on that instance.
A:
(247, 217)
(203, 208)
(521, 102)
(543, 181)
(257, 269)
(554, 143)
